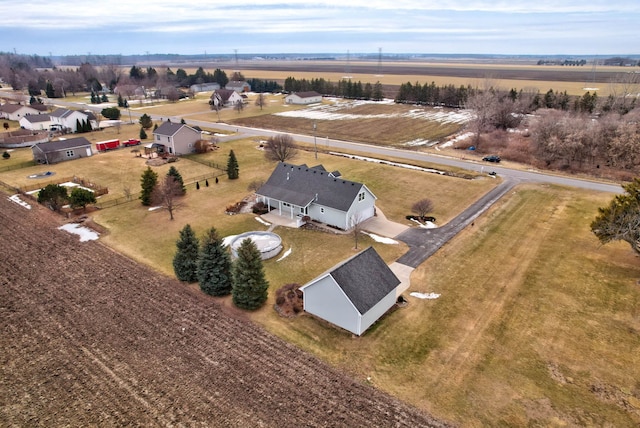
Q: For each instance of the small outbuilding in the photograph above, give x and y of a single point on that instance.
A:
(62, 150)
(303, 98)
(354, 294)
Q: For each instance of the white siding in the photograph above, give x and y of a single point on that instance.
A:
(326, 300)
(373, 314)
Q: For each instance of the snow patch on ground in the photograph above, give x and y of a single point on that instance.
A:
(385, 162)
(335, 111)
(266, 223)
(285, 255)
(424, 295)
(17, 200)
(454, 140)
(381, 239)
(426, 224)
(154, 208)
(85, 233)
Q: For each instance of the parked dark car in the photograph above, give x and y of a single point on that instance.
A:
(491, 158)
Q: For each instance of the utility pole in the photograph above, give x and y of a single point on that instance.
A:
(315, 145)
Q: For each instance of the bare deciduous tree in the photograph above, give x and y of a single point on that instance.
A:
(255, 185)
(166, 195)
(355, 224)
(422, 207)
(260, 100)
(238, 106)
(280, 148)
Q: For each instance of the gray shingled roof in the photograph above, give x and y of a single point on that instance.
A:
(366, 279)
(35, 118)
(168, 128)
(301, 185)
(56, 146)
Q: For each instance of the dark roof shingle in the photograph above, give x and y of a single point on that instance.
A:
(301, 185)
(365, 279)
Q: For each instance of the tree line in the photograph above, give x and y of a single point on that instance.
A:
(344, 88)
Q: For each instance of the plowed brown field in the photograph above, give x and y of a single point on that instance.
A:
(89, 337)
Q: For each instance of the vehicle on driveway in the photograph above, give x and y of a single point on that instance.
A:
(131, 142)
(491, 158)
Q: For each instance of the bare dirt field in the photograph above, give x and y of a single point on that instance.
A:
(90, 338)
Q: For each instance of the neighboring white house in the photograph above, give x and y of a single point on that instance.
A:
(16, 111)
(354, 294)
(303, 98)
(298, 190)
(238, 86)
(177, 138)
(36, 122)
(225, 97)
(69, 119)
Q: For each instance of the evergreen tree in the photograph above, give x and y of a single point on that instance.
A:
(146, 121)
(78, 126)
(185, 261)
(93, 97)
(143, 134)
(214, 266)
(249, 283)
(120, 101)
(53, 196)
(51, 93)
(233, 171)
(173, 172)
(104, 98)
(148, 182)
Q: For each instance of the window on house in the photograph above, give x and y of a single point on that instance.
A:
(303, 210)
(321, 210)
(286, 204)
(361, 196)
(70, 153)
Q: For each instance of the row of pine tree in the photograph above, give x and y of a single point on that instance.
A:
(209, 263)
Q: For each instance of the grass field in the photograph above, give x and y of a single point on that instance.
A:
(537, 324)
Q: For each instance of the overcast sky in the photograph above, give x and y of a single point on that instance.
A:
(535, 27)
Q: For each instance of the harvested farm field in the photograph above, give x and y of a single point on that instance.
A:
(91, 338)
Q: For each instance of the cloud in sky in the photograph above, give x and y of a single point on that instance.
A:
(281, 26)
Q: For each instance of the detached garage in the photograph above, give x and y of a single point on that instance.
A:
(353, 294)
(63, 150)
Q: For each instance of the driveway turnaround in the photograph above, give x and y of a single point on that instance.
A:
(425, 242)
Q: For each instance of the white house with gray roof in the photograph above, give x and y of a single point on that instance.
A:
(296, 191)
(354, 294)
(69, 119)
(303, 98)
(36, 122)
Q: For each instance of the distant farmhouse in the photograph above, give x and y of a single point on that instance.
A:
(176, 138)
(353, 294)
(225, 97)
(204, 87)
(238, 86)
(303, 98)
(295, 191)
(63, 150)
